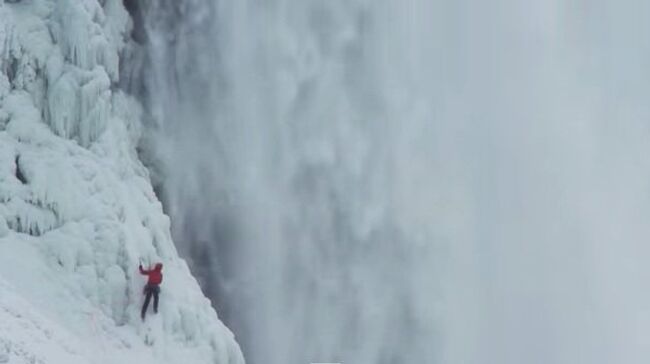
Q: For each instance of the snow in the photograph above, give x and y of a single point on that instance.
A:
(77, 210)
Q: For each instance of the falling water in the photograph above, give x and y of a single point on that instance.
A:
(411, 181)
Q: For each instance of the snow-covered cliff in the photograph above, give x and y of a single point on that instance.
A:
(77, 210)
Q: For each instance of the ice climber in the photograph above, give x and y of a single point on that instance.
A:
(152, 288)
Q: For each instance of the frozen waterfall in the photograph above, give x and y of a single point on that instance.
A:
(78, 211)
(416, 181)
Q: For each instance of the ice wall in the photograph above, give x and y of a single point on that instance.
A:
(413, 181)
(77, 210)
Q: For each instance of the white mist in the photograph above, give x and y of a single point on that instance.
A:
(410, 181)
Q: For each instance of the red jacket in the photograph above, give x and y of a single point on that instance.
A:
(155, 275)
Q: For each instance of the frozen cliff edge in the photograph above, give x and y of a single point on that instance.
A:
(77, 210)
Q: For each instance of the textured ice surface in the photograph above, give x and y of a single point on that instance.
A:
(77, 210)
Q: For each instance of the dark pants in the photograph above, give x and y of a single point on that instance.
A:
(150, 290)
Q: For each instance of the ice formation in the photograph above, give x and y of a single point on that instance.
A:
(77, 210)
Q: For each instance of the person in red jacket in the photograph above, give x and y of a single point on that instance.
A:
(152, 288)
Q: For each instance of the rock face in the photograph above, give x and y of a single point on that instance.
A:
(77, 210)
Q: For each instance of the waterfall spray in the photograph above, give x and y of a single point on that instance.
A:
(407, 181)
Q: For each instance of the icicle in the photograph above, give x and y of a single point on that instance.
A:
(30, 219)
(117, 28)
(84, 41)
(63, 105)
(73, 31)
(95, 107)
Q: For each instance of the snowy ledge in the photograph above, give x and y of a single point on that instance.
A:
(77, 210)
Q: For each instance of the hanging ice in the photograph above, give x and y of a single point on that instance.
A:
(77, 210)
